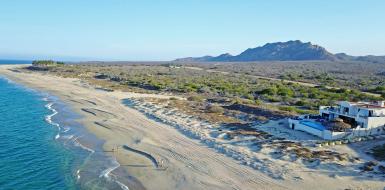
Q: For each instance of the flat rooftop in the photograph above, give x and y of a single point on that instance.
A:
(370, 105)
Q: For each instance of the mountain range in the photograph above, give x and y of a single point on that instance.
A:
(294, 50)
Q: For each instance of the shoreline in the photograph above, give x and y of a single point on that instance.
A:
(189, 163)
(158, 139)
(85, 146)
(79, 142)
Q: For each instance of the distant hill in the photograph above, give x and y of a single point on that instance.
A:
(284, 51)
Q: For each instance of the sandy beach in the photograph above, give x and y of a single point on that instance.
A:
(160, 156)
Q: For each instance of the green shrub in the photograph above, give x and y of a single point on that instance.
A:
(283, 91)
(249, 96)
(287, 108)
(258, 102)
(269, 91)
(273, 99)
(301, 103)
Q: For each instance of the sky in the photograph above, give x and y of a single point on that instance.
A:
(161, 30)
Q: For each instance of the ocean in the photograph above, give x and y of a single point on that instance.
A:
(30, 158)
(10, 62)
(42, 146)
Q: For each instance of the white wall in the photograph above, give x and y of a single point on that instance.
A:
(376, 125)
(379, 112)
(300, 127)
(328, 135)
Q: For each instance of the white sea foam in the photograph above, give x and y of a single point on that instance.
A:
(106, 174)
(77, 143)
(69, 137)
(66, 129)
(124, 187)
(78, 174)
(48, 118)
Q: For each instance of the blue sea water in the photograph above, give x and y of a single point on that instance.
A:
(30, 158)
(42, 146)
(10, 62)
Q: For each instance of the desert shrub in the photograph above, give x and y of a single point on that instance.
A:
(214, 108)
(295, 110)
(173, 98)
(195, 98)
(270, 91)
(258, 102)
(287, 108)
(379, 152)
(204, 89)
(378, 89)
(247, 101)
(191, 87)
(261, 118)
(249, 96)
(273, 98)
(301, 103)
(283, 91)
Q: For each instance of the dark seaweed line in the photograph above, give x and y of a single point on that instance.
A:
(145, 154)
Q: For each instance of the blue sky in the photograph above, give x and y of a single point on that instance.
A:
(168, 29)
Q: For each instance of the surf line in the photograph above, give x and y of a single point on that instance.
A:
(107, 172)
(48, 118)
(77, 143)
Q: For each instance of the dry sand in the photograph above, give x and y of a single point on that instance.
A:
(183, 163)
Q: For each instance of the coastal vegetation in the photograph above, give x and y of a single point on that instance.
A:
(229, 105)
(378, 90)
(214, 89)
(46, 63)
(362, 76)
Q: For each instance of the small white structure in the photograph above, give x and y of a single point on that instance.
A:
(316, 128)
(365, 119)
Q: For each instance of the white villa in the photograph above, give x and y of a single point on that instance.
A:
(365, 119)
